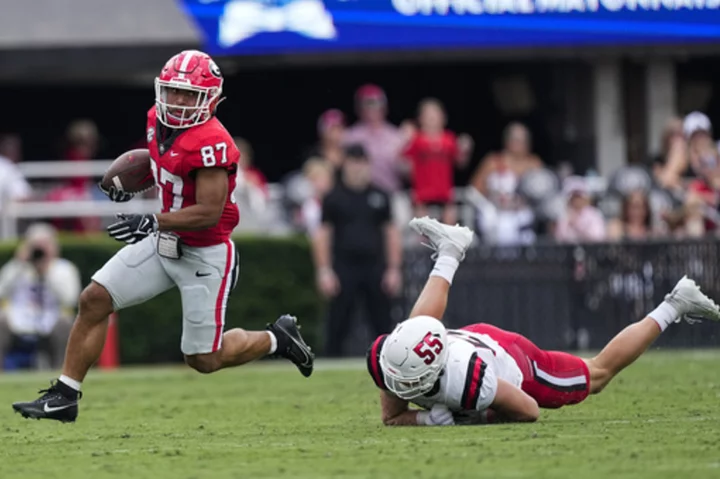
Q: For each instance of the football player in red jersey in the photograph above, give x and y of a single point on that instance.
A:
(481, 374)
(187, 245)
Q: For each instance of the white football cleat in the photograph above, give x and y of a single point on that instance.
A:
(446, 240)
(692, 304)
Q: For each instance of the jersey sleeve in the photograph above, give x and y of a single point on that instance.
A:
(480, 382)
(210, 150)
(373, 361)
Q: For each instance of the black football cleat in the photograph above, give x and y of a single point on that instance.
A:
(290, 344)
(53, 404)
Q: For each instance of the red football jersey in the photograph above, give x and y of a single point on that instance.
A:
(433, 160)
(208, 145)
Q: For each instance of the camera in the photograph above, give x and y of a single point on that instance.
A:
(37, 254)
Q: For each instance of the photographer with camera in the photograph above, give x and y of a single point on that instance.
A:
(39, 293)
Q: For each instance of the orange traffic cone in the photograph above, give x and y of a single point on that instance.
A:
(110, 357)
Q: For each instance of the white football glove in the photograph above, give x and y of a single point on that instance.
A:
(439, 415)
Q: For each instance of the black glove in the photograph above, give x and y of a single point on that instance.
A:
(116, 195)
(133, 228)
(469, 418)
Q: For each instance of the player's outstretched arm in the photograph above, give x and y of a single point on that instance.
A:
(512, 404)
(395, 412)
(211, 190)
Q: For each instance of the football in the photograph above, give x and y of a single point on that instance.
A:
(130, 172)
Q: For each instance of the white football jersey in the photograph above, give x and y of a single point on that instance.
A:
(469, 380)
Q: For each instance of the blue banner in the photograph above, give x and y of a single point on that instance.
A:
(263, 27)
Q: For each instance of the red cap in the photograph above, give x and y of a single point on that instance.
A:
(370, 92)
(330, 118)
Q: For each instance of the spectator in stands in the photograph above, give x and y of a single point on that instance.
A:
(39, 291)
(702, 149)
(320, 175)
(581, 221)
(694, 223)
(433, 152)
(514, 160)
(635, 222)
(357, 251)
(251, 190)
(504, 218)
(331, 131)
(382, 141)
(705, 162)
(671, 165)
(670, 173)
(13, 186)
(82, 145)
(11, 148)
(688, 221)
(252, 175)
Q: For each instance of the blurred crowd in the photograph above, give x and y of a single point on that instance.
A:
(512, 197)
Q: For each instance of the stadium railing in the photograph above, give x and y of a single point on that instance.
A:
(97, 206)
(270, 220)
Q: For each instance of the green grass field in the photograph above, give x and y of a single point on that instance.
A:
(660, 419)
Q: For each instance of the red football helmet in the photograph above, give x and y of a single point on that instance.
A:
(188, 90)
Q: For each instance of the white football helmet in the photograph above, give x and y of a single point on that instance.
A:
(413, 356)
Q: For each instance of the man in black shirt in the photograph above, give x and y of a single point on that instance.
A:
(358, 251)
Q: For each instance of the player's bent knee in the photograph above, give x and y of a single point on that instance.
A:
(599, 376)
(204, 363)
(95, 299)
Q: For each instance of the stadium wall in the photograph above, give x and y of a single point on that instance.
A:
(574, 297)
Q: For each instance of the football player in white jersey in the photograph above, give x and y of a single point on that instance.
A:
(483, 374)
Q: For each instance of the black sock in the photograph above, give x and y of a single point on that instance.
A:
(66, 390)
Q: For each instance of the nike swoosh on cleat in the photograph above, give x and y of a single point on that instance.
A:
(303, 347)
(48, 409)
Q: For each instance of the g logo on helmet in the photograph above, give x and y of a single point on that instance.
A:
(214, 69)
(429, 348)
